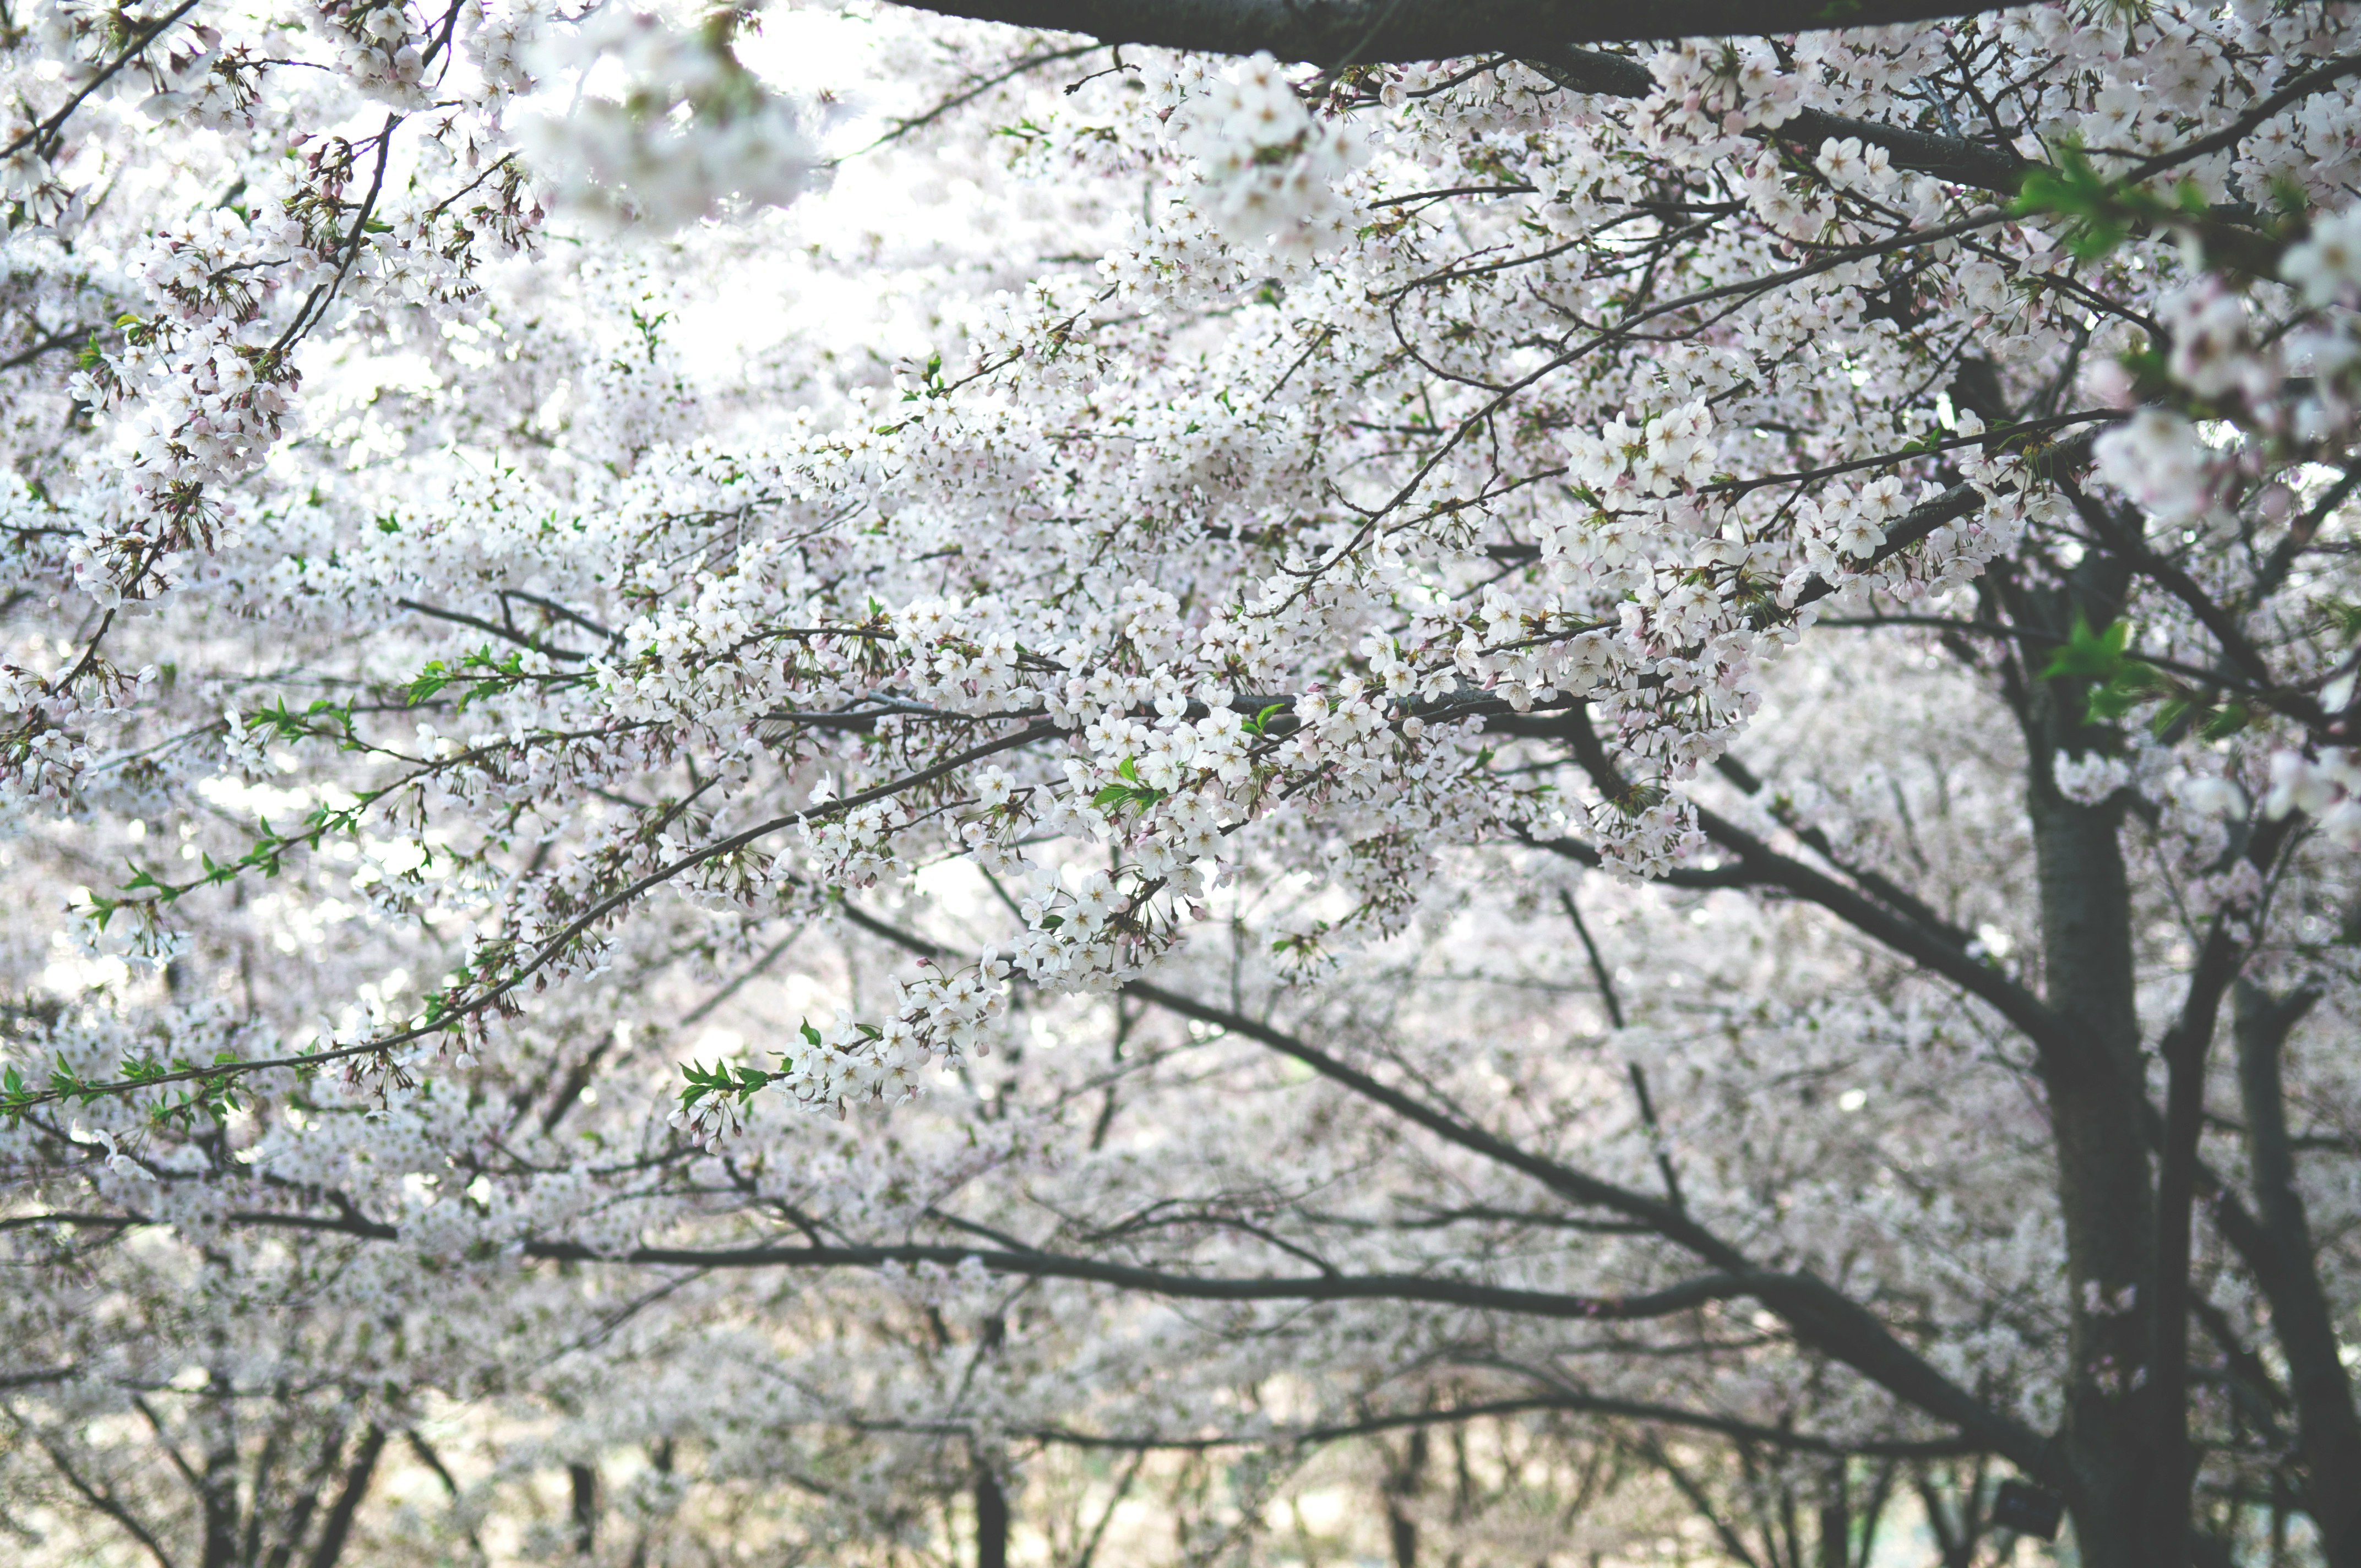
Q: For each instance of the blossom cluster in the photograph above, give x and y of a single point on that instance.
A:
(1106, 608)
(1269, 168)
(498, 678)
(691, 130)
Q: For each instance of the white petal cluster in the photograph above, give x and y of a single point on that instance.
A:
(2326, 787)
(2326, 263)
(1187, 537)
(689, 131)
(2090, 779)
(1269, 168)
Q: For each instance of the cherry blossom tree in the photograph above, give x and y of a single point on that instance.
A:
(1641, 746)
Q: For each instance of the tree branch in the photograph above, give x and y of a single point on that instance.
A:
(1336, 33)
(104, 1502)
(70, 337)
(1931, 948)
(2184, 1049)
(1543, 34)
(1036, 1264)
(1954, 158)
(1586, 1404)
(1819, 1315)
(1033, 1263)
(339, 1525)
(1883, 888)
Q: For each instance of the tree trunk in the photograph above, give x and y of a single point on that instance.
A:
(1402, 1486)
(339, 1526)
(991, 1520)
(1835, 1531)
(2328, 1425)
(2097, 1107)
(217, 1419)
(582, 1481)
(299, 1517)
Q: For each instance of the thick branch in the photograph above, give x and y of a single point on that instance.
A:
(1732, 874)
(1931, 948)
(1544, 34)
(70, 337)
(1658, 1215)
(1953, 158)
(1884, 889)
(1959, 501)
(1029, 1263)
(105, 1502)
(1332, 33)
(2121, 538)
(1820, 1315)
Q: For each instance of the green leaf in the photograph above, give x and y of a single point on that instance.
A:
(427, 682)
(2221, 725)
(2102, 212)
(723, 1081)
(2119, 682)
(2087, 654)
(1115, 797)
(2132, 684)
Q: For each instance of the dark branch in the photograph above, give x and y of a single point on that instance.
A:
(1880, 887)
(71, 337)
(1029, 1263)
(1946, 157)
(1586, 1404)
(1335, 33)
(1818, 1314)
(1929, 947)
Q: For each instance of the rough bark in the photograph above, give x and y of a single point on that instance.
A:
(1344, 32)
(2097, 1106)
(2327, 1424)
